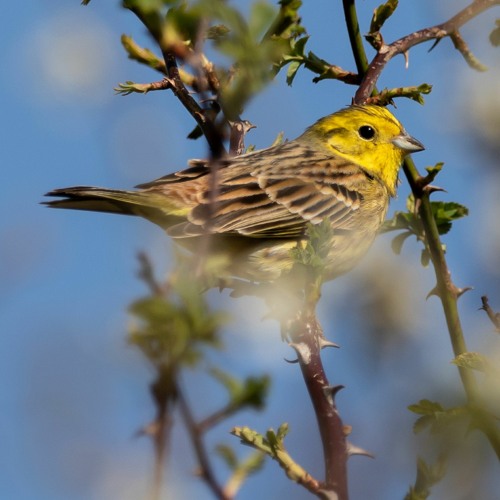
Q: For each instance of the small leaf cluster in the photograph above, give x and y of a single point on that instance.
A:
(253, 45)
(251, 392)
(380, 16)
(172, 329)
(272, 444)
(444, 213)
(435, 417)
(427, 476)
(314, 251)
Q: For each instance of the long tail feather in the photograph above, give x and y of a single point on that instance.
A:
(153, 207)
(96, 199)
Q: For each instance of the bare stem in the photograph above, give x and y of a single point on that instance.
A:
(159, 430)
(195, 433)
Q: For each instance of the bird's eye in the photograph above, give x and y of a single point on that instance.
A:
(366, 132)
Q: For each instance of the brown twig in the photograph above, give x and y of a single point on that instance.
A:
(494, 316)
(195, 433)
(170, 53)
(449, 28)
(239, 129)
(146, 274)
(164, 395)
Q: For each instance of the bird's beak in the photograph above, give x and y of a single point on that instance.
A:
(407, 143)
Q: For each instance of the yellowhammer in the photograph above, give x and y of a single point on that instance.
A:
(344, 167)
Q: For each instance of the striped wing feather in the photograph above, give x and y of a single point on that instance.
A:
(272, 193)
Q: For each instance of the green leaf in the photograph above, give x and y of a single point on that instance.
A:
(427, 476)
(293, 67)
(447, 212)
(251, 392)
(434, 416)
(260, 14)
(217, 32)
(399, 221)
(172, 329)
(425, 407)
(381, 14)
(228, 455)
(398, 241)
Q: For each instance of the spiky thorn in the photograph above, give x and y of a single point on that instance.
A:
(457, 291)
(303, 352)
(433, 189)
(328, 495)
(406, 55)
(461, 291)
(323, 343)
(434, 292)
(356, 450)
(423, 182)
(331, 392)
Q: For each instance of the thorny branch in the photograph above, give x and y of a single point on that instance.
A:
(445, 289)
(449, 28)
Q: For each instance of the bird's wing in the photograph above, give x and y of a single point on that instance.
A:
(274, 193)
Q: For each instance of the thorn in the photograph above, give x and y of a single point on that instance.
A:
(326, 343)
(434, 45)
(331, 391)
(433, 189)
(303, 352)
(346, 430)
(434, 292)
(328, 495)
(291, 361)
(356, 450)
(406, 55)
(461, 291)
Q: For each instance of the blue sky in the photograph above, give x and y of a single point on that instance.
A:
(73, 393)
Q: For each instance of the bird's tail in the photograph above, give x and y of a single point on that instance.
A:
(152, 206)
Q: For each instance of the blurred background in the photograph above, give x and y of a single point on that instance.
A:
(73, 393)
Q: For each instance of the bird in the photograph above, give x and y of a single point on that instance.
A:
(258, 206)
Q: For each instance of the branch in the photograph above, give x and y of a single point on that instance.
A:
(447, 291)
(170, 52)
(449, 28)
(195, 435)
(307, 341)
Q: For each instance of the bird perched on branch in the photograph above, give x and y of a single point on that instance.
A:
(257, 206)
